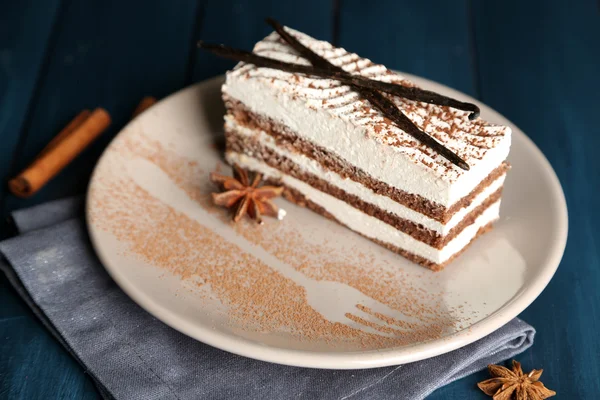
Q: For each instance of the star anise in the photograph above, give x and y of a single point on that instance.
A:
(246, 196)
(507, 384)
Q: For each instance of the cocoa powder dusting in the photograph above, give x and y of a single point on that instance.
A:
(256, 296)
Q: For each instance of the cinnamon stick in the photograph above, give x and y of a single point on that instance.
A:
(67, 130)
(145, 104)
(71, 141)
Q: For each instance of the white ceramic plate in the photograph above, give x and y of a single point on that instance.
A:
(282, 292)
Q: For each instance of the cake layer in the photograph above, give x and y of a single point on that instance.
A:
(335, 118)
(370, 226)
(240, 117)
(296, 197)
(263, 147)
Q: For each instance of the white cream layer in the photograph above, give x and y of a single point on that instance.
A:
(367, 225)
(313, 167)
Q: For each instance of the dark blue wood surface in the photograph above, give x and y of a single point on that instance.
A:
(537, 62)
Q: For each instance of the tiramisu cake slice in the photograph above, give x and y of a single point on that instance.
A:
(337, 154)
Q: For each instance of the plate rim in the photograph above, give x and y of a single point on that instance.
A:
(368, 358)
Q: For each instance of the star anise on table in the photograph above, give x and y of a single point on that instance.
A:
(515, 384)
(245, 196)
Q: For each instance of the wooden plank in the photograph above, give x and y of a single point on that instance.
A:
(429, 40)
(240, 24)
(108, 54)
(539, 67)
(104, 53)
(25, 30)
(535, 67)
(35, 366)
(25, 33)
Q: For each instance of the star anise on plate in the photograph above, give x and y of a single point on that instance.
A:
(245, 195)
(506, 384)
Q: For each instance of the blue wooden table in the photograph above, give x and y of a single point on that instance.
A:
(537, 62)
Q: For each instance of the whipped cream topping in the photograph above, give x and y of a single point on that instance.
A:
(334, 116)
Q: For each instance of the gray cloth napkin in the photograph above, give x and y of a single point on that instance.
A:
(132, 355)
